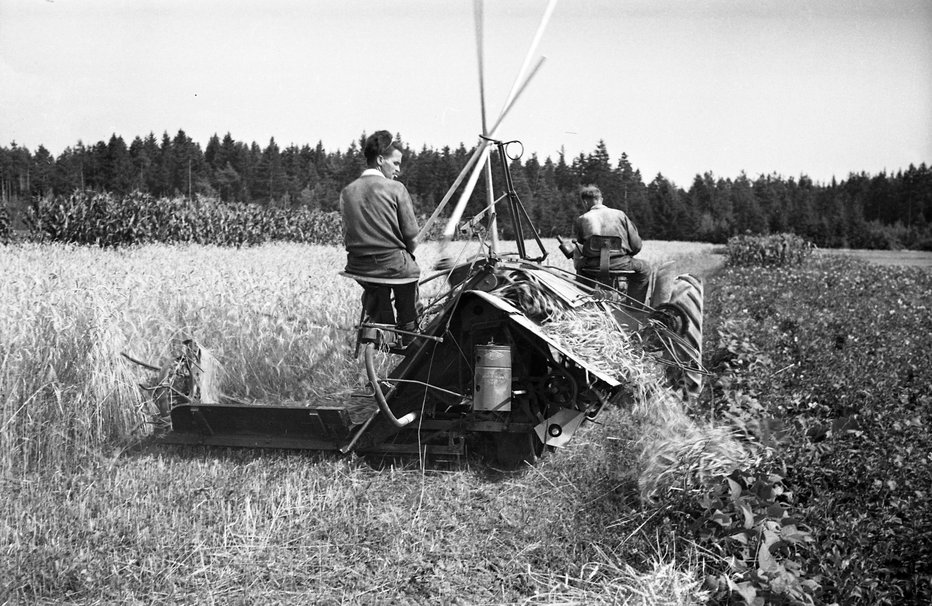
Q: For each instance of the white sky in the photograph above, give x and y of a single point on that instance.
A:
(823, 88)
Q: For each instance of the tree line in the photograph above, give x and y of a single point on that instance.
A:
(886, 210)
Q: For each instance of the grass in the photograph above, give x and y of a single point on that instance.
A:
(192, 525)
(85, 520)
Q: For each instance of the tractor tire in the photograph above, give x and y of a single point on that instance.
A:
(686, 300)
(661, 286)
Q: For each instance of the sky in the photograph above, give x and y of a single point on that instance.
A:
(823, 88)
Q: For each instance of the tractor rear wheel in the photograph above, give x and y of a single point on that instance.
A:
(686, 302)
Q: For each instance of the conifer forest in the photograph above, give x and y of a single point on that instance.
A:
(877, 211)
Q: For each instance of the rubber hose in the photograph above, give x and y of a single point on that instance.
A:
(379, 396)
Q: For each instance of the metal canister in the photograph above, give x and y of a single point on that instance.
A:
(492, 384)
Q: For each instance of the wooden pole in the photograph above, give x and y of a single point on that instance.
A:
(446, 198)
(461, 204)
(531, 50)
(470, 186)
(493, 223)
(477, 9)
(493, 220)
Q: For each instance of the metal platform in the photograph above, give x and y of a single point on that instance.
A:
(320, 428)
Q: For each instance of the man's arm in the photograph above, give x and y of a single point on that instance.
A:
(407, 222)
(634, 239)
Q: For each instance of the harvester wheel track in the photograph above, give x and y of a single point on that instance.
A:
(686, 298)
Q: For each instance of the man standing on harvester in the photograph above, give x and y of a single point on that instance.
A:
(379, 230)
(609, 229)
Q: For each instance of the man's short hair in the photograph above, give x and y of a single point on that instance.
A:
(379, 143)
(590, 193)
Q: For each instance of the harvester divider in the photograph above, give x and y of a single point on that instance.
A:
(140, 362)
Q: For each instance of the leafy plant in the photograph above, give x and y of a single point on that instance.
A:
(828, 355)
(106, 220)
(773, 250)
(5, 231)
(747, 521)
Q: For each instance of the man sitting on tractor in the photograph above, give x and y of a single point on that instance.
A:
(606, 243)
(379, 230)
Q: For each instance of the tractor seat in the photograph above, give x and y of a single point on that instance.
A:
(603, 247)
(381, 281)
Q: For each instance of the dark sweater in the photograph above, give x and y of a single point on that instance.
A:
(378, 216)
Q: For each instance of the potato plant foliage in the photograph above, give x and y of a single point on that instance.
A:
(827, 365)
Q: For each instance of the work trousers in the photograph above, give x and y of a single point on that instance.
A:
(639, 281)
(377, 301)
(377, 298)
